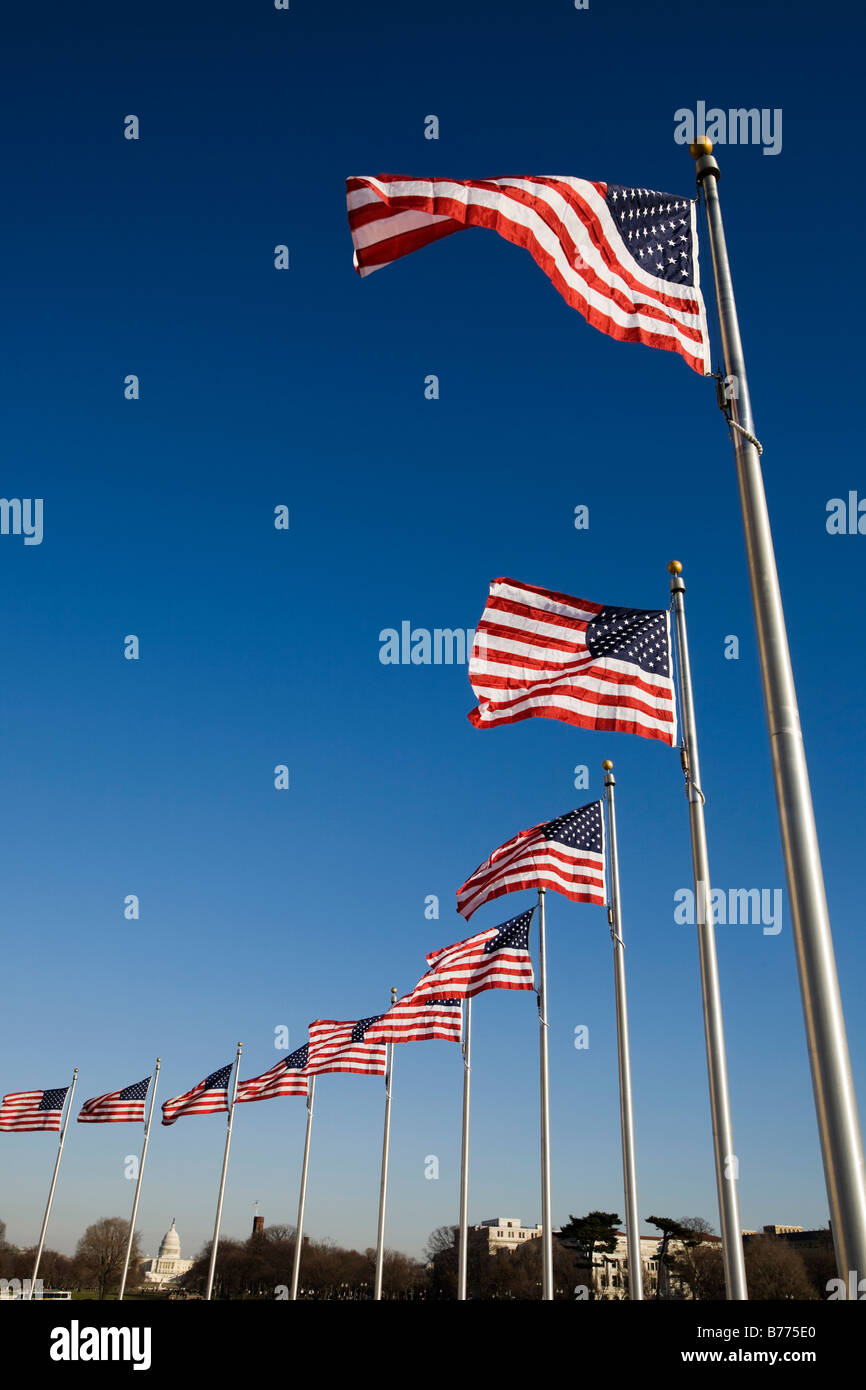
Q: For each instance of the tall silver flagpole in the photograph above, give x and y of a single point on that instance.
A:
(53, 1182)
(727, 1174)
(131, 1235)
(463, 1247)
(832, 1082)
(299, 1230)
(629, 1166)
(546, 1209)
(383, 1182)
(219, 1210)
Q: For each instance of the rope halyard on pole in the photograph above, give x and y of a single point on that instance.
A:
(751, 438)
(690, 783)
(724, 406)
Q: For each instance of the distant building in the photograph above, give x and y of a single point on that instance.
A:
(609, 1277)
(610, 1269)
(796, 1237)
(168, 1267)
(609, 1273)
(506, 1233)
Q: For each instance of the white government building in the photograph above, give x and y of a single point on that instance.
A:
(168, 1267)
(508, 1233)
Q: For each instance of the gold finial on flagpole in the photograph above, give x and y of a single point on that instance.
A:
(675, 567)
(700, 146)
(607, 765)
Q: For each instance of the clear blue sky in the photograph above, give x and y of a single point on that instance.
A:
(262, 907)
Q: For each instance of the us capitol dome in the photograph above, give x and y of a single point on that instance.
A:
(168, 1266)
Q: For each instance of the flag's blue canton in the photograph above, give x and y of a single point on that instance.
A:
(631, 634)
(219, 1080)
(580, 829)
(656, 229)
(514, 933)
(362, 1025)
(136, 1092)
(53, 1100)
(428, 1003)
(298, 1060)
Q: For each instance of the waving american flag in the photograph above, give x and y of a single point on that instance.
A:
(538, 652)
(625, 258)
(287, 1077)
(565, 854)
(33, 1109)
(342, 1046)
(207, 1098)
(419, 1017)
(497, 958)
(116, 1106)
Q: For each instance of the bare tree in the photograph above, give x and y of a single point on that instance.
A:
(697, 1224)
(775, 1270)
(699, 1268)
(442, 1239)
(686, 1234)
(101, 1250)
(820, 1266)
(525, 1279)
(278, 1234)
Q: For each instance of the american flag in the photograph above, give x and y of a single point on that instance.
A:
(287, 1077)
(127, 1104)
(538, 652)
(33, 1109)
(625, 258)
(207, 1098)
(497, 958)
(565, 854)
(341, 1047)
(419, 1018)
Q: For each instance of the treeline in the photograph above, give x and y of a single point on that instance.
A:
(55, 1270)
(689, 1266)
(96, 1265)
(261, 1267)
(509, 1274)
(774, 1270)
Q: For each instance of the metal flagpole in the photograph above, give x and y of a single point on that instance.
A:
(546, 1216)
(383, 1183)
(832, 1083)
(219, 1210)
(727, 1174)
(463, 1248)
(120, 1291)
(629, 1167)
(53, 1182)
(299, 1230)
